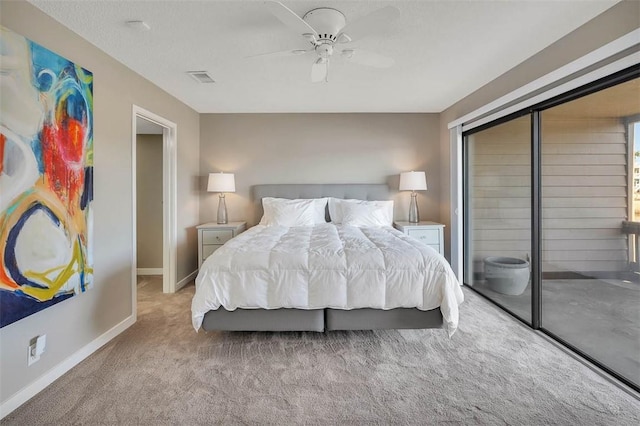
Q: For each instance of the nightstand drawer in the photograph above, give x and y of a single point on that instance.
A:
(207, 249)
(216, 236)
(211, 236)
(428, 233)
(427, 236)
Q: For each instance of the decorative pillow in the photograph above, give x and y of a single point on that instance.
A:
(369, 214)
(336, 210)
(285, 212)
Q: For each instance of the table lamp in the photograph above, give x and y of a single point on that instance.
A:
(221, 182)
(413, 181)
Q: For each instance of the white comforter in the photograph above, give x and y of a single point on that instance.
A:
(326, 266)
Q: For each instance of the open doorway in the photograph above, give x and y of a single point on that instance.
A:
(149, 211)
(153, 199)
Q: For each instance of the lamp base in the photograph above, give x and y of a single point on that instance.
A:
(414, 217)
(222, 211)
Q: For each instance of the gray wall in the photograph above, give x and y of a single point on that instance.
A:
(149, 201)
(73, 324)
(621, 19)
(318, 148)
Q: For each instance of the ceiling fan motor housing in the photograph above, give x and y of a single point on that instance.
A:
(327, 22)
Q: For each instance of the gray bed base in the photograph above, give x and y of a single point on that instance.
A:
(320, 319)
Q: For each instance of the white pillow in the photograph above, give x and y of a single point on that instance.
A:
(284, 212)
(336, 211)
(365, 215)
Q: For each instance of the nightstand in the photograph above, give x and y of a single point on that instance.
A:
(430, 233)
(211, 236)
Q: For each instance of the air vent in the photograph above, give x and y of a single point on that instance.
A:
(201, 76)
(138, 25)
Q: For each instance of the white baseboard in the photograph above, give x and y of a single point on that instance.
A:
(50, 376)
(186, 280)
(149, 271)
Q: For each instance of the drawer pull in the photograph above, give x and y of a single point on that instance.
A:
(216, 236)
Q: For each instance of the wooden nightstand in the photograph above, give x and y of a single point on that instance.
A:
(211, 236)
(430, 233)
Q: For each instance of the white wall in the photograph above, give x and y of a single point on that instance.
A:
(318, 148)
(149, 201)
(73, 324)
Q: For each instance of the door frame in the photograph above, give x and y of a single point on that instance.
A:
(169, 196)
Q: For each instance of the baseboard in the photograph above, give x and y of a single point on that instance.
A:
(52, 375)
(186, 280)
(149, 271)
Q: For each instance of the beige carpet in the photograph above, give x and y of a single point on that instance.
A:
(493, 371)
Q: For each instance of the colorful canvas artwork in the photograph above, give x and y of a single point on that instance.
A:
(46, 178)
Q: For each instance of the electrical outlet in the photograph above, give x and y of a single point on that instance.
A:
(31, 353)
(36, 348)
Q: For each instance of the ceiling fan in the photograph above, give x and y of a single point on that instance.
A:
(324, 28)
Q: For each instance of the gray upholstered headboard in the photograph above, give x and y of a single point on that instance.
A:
(358, 191)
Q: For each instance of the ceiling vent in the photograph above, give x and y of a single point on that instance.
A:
(201, 76)
(138, 25)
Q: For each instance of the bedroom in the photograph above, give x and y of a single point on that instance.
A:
(108, 306)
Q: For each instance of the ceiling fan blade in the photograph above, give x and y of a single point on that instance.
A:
(282, 53)
(368, 24)
(367, 58)
(289, 18)
(320, 70)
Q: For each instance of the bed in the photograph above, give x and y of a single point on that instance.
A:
(324, 277)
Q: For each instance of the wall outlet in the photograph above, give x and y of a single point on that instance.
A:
(36, 348)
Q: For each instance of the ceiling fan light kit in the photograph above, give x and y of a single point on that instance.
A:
(324, 27)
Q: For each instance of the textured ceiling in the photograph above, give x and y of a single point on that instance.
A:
(443, 50)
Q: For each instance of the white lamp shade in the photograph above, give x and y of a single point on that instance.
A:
(221, 182)
(413, 181)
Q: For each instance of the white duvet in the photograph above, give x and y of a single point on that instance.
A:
(326, 266)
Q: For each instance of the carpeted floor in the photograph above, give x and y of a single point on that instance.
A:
(493, 371)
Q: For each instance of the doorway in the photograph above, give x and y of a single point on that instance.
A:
(165, 132)
(149, 212)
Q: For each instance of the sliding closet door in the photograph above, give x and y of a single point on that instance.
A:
(498, 214)
(590, 288)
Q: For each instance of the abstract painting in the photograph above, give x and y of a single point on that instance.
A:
(46, 178)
